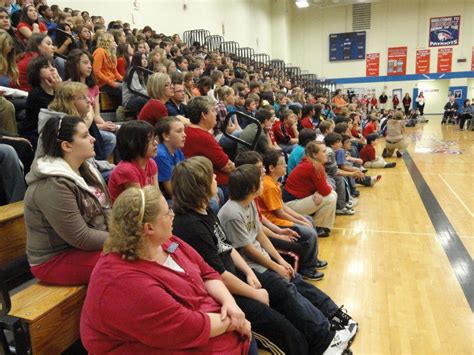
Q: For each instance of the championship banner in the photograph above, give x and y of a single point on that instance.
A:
(445, 60)
(472, 60)
(397, 61)
(372, 64)
(423, 61)
(444, 31)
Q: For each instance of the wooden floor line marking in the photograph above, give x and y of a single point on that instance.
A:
(385, 231)
(456, 195)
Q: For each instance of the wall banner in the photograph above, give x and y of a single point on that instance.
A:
(445, 60)
(422, 61)
(372, 64)
(397, 61)
(444, 31)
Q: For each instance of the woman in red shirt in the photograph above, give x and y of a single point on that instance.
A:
(29, 23)
(306, 190)
(152, 293)
(160, 90)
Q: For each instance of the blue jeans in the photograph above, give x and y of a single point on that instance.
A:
(304, 305)
(11, 175)
(110, 140)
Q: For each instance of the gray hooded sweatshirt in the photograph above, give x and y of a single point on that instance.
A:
(62, 212)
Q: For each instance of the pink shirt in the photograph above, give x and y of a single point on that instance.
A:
(93, 92)
(130, 172)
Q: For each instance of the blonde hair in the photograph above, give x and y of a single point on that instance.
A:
(8, 65)
(224, 91)
(104, 41)
(132, 209)
(310, 150)
(156, 85)
(158, 50)
(64, 96)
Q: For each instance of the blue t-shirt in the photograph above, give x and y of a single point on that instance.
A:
(166, 162)
(340, 157)
(295, 157)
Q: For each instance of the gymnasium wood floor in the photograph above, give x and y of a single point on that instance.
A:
(387, 263)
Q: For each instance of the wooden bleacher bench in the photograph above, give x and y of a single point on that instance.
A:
(43, 319)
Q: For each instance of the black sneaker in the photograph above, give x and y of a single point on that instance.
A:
(385, 153)
(341, 317)
(313, 275)
(355, 193)
(322, 232)
(321, 264)
(399, 154)
(390, 165)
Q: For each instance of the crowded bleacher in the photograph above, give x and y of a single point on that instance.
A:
(185, 185)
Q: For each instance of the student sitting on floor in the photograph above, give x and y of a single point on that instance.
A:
(137, 145)
(194, 185)
(369, 157)
(271, 206)
(151, 293)
(310, 309)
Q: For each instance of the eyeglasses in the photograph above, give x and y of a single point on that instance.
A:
(170, 213)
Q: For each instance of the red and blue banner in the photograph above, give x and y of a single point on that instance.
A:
(444, 31)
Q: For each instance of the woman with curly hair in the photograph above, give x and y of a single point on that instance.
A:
(29, 23)
(148, 277)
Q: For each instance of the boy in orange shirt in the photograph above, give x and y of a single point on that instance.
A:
(272, 207)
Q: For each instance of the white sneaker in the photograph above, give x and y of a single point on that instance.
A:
(352, 202)
(345, 212)
(339, 343)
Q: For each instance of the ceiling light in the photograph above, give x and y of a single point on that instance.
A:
(302, 3)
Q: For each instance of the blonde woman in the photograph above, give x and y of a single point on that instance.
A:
(148, 277)
(8, 73)
(307, 191)
(72, 98)
(160, 90)
(104, 66)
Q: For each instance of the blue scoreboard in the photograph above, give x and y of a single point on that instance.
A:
(346, 46)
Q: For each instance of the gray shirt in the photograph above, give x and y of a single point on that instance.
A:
(331, 164)
(241, 226)
(248, 135)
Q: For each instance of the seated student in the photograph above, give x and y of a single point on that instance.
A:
(160, 90)
(307, 117)
(272, 142)
(66, 205)
(130, 100)
(371, 127)
(137, 146)
(250, 108)
(250, 131)
(148, 277)
(29, 23)
(199, 140)
(307, 307)
(39, 43)
(171, 134)
(336, 176)
(104, 66)
(324, 128)
(194, 184)
(79, 68)
(270, 229)
(44, 80)
(306, 135)
(175, 105)
(271, 205)
(307, 192)
(12, 181)
(285, 131)
(369, 157)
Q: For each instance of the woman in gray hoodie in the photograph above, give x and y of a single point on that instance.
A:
(66, 205)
